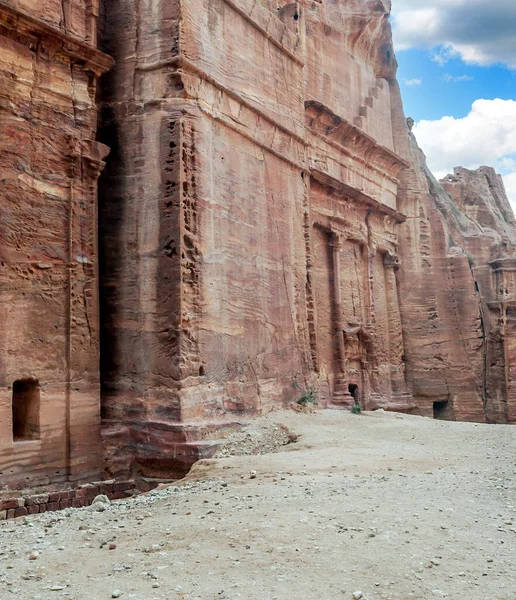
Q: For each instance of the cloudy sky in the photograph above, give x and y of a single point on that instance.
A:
(458, 76)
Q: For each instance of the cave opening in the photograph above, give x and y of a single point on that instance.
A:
(443, 410)
(25, 407)
(354, 392)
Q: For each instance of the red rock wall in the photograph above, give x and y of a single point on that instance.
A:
(267, 225)
(223, 170)
(454, 314)
(204, 278)
(49, 164)
(491, 254)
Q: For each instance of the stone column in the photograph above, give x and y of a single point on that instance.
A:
(510, 361)
(82, 401)
(368, 377)
(506, 288)
(92, 13)
(341, 393)
(395, 333)
(369, 255)
(500, 375)
(336, 245)
(391, 264)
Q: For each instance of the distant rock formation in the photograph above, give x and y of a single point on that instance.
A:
(481, 196)
(457, 291)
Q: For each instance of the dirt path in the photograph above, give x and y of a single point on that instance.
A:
(388, 505)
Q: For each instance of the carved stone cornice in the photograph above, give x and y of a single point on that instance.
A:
(501, 305)
(93, 155)
(22, 25)
(349, 192)
(503, 264)
(351, 140)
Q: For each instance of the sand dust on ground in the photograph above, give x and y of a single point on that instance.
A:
(372, 506)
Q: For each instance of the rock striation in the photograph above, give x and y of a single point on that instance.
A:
(267, 230)
(248, 218)
(457, 290)
(49, 165)
(492, 258)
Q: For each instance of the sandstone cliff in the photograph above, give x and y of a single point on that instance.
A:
(457, 285)
(248, 218)
(49, 165)
(267, 228)
(270, 226)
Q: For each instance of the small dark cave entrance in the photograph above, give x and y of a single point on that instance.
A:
(443, 410)
(354, 392)
(25, 410)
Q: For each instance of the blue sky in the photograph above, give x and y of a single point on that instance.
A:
(449, 89)
(457, 71)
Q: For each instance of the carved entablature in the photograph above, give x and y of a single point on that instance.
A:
(351, 194)
(348, 231)
(342, 230)
(20, 25)
(93, 155)
(504, 270)
(503, 264)
(352, 140)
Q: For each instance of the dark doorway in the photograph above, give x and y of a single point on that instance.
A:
(353, 391)
(25, 410)
(443, 411)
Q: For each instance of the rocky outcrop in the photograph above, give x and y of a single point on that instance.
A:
(491, 254)
(457, 321)
(248, 218)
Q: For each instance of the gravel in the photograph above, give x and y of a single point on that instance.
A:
(397, 507)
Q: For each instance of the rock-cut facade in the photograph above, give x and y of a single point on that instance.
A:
(264, 229)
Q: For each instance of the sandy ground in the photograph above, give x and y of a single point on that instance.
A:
(386, 505)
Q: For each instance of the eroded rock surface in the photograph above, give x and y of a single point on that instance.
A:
(248, 218)
(491, 253)
(268, 230)
(457, 290)
(49, 165)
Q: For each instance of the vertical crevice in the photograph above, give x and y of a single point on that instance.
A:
(484, 339)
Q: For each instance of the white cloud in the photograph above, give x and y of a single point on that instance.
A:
(412, 82)
(481, 32)
(457, 78)
(510, 186)
(508, 164)
(486, 136)
(443, 54)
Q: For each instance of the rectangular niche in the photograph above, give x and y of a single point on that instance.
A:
(443, 410)
(25, 404)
